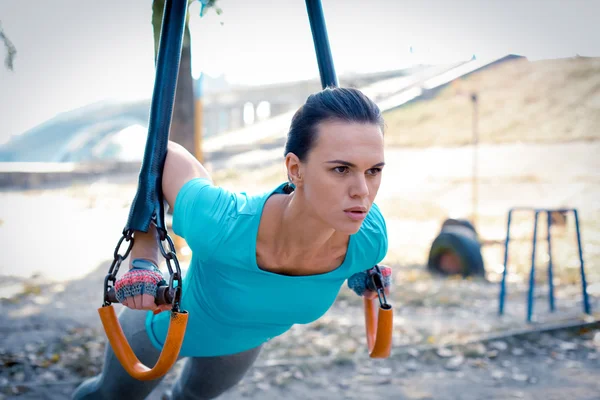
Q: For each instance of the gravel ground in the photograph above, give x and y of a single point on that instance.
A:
(448, 344)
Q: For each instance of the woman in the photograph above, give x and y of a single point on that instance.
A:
(260, 263)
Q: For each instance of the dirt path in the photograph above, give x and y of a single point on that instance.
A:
(523, 371)
(561, 365)
(51, 340)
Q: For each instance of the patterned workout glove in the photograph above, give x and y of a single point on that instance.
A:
(360, 281)
(143, 278)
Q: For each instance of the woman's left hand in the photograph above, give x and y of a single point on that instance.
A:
(359, 282)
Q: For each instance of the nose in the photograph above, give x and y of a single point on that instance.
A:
(359, 187)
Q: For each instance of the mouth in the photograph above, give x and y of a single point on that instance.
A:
(356, 213)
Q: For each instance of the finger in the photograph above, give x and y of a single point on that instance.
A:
(148, 302)
(137, 301)
(125, 302)
(369, 294)
(161, 308)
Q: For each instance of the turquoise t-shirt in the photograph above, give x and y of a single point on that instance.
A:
(234, 305)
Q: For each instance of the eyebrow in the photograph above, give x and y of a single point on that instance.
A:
(349, 164)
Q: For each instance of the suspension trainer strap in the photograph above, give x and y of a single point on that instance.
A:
(148, 206)
(321, 42)
(148, 202)
(379, 325)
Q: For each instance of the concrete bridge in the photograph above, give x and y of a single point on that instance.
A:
(112, 131)
(235, 108)
(110, 138)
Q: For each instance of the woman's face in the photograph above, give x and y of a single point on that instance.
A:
(342, 173)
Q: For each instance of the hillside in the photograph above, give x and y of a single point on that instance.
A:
(519, 101)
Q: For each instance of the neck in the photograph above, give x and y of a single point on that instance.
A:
(301, 233)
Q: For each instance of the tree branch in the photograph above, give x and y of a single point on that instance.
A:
(11, 50)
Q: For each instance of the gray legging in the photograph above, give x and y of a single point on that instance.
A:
(201, 378)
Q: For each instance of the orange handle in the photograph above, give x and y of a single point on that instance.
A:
(127, 358)
(379, 328)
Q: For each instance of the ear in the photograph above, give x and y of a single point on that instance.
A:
(294, 169)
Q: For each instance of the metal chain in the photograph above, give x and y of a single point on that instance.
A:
(170, 256)
(111, 277)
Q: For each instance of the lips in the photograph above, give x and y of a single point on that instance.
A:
(356, 209)
(356, 213)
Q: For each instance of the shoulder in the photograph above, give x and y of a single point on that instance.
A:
(204, 213)
(375, 222)
(202, 196)
(371, 241)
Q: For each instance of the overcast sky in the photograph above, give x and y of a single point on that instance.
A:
(72, 52)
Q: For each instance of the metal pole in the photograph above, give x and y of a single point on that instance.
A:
(475, 139)
(530, 294)
(586, 300)
(321, 41)
(505, 271)
(550, 272)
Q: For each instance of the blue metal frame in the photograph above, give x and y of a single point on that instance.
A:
(530, 297)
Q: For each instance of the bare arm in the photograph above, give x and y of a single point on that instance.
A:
(180, 167)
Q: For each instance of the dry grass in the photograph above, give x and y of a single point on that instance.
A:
(519, 101)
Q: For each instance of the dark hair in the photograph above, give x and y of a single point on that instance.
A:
(330, 104)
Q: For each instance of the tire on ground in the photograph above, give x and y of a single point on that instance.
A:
(450, 222)
(462, 242)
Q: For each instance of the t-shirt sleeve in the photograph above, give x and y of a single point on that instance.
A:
(380, 227)
(200, 215)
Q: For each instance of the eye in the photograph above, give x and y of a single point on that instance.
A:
(374, 171)
(341, 169)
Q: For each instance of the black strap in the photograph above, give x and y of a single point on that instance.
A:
(148, 204)
(321, 41)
